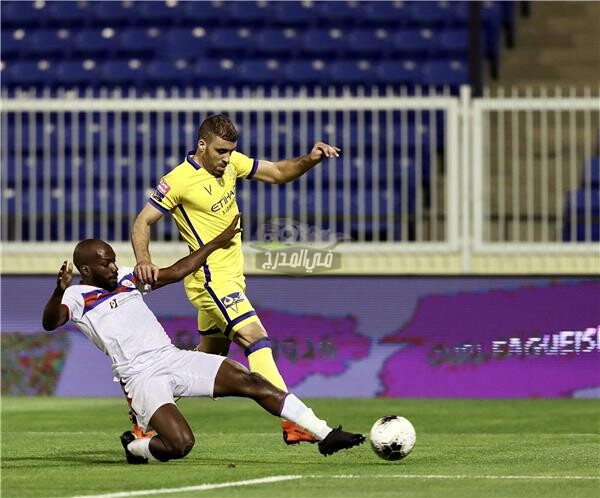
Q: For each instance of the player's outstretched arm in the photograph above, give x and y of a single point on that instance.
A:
(290, 169)
(144, 270)
(56, 314)
(195, 260)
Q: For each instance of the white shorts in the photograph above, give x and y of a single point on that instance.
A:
(176, 373)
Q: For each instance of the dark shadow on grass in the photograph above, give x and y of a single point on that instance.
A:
(82, 458)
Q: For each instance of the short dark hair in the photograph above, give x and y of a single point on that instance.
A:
(218, 125)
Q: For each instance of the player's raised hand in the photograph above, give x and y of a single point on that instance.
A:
(146, 272)
(322, 151)
(224, 238)
(65, 276)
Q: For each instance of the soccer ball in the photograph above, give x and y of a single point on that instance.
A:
(392, 437)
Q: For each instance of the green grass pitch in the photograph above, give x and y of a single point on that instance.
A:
(66, 447)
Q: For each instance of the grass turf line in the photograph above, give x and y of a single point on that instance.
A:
(63, 447)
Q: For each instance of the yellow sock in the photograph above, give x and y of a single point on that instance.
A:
(261, 361)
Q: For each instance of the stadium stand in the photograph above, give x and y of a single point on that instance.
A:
(583, 204)
(147, 45)
(288, 31)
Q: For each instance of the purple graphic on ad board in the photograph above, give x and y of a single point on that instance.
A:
(302, 344)
(530, 342)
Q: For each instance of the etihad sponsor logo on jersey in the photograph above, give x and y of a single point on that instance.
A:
(161, 190)
(226, 199)
(232, 300)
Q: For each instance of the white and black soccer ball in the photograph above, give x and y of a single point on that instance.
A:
(392, 437)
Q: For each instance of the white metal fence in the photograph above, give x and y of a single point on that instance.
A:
(432, 173)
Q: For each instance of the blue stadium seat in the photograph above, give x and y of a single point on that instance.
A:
(15, 42)
(263, 71)
(96, 41)
(186, 42)
(51, 42)
(303, 71)
(250, 12)
(69, 13)
(24, 14)
(295, 13)
(342, 13)
(77, 72)
(30, 72)
(231, 40)
(352, 72)
(278, 41)
(445, 72)
(391, 71)
(159, 12)
(205, 13)
(145, 41)
(438, 13)
(415, 42)
(122, 72)
(454, 42)
(323, 41)
(368, 41)
(385, 13)
(214, 71)
(170, 71)
(114, 13)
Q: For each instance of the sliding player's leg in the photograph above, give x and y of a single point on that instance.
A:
(235, 380)
(174, 438)
(153, 404)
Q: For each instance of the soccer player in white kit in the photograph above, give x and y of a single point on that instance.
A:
(108, 307)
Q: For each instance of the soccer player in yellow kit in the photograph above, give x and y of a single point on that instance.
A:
(200, 194)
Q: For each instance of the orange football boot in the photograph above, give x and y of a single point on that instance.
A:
(294, 434)
(137, 430)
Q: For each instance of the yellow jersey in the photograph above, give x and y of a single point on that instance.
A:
(203, 206)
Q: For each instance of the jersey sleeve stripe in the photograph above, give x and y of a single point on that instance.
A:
(155, 204)
(253, 170)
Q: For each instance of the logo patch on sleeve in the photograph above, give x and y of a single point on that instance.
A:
(163, 187)
(160, 191)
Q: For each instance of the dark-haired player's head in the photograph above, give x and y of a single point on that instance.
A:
(218, 125)
(95, 260)
(217, 139)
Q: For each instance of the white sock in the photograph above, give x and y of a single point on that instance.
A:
(141, 447)
(297, 412)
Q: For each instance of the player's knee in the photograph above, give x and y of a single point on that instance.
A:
(180, 446)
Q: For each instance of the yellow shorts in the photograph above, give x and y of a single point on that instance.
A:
(221, 305)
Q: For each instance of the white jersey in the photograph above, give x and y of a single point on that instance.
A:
(119, 323)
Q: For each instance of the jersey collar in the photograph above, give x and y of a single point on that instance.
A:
(190, 159)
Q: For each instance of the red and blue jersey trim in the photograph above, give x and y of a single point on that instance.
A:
(93, 298)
